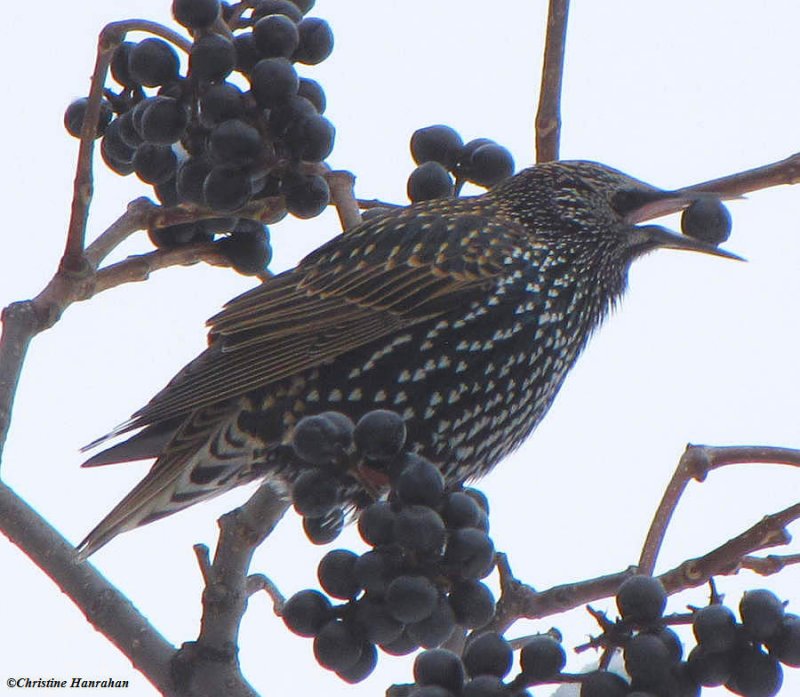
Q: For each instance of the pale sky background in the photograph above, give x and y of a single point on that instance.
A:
(703, 350)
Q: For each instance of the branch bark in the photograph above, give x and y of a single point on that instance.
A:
(548, 116)
(209, 666)
(106, 609)
(695, 463)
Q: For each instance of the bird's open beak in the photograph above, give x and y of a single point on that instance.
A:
(639, 206)
(655, 236)
(658, 203)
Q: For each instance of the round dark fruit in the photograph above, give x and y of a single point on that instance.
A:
(708, 220)
(641, 599)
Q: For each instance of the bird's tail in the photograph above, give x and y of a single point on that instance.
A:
(206, 455)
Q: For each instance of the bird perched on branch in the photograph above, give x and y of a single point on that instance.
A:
(464, 315)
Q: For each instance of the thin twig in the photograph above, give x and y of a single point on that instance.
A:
(109, 39)
(236, 13)
(695, 463)
(259, 582)
(726, 559)
(119, 29)
(136, 217)
(341, 183)
(139, 267)
(771, 564)
(732, 186)
(83, 187)
(786, 171)
(203, 556)
(548, 116)
(521, 601)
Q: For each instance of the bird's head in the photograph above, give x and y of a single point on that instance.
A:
(572, 200)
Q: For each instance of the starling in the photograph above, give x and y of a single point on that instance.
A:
(463, 315)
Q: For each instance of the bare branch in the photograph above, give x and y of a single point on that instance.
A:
(695, 463)
(548, 117)
(771, 564)
(209, 666)
(727, 558)
(519, 600)
(136, 217)
(83, 186)
(786, 171)
(107, 610)
(139, 267)
(110, 37)
(20, 324)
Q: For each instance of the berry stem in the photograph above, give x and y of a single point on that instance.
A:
(259, 582)
(119, 29)
(343, 197)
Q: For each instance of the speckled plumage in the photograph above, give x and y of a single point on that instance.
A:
(463, 315)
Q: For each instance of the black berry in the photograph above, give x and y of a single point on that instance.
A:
(336, 648)
(195, 14)
(380, 434)
(324, 529)
(707, 219)
(488, 654)
(336, 574)
(437, 143)
(323, 438)
(315, 493)
(641, 599)
(429, 181)
(419, 481)
(247, 247)
(211, 58)
(762, 614)
(541, 658)
(276, 36)
(306, 612)
(315, 41)
(411, 598)
(306, 195)
(76, 111)
(152, 62)
(439, 667)
(272, 81)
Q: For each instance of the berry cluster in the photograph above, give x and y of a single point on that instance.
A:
(441, 156)
(481, 670)
(745, 657)
(240, 125)
(430, 547)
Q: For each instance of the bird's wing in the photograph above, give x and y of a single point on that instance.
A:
(384, 276)
(170, 485)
